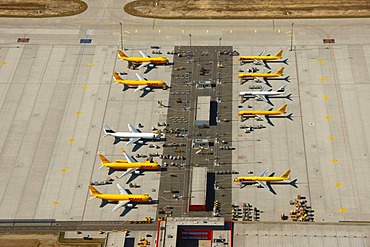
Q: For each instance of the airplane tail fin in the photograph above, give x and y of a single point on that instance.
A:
(283, 108)
(93, 191)
(280, 71)
(294, 183)
(103, 159)
(281, 89)
(116, 77)
(285, 174)
(289, 97)
(279, 54)
(121, 55)
(107, 130)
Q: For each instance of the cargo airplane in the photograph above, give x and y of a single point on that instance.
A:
(262, 59)
(144, 60)
(262, 77)
(264, 115)
(263, 95)
(265, 181)
(131, 165)
(134, 136)
(140, 83)
(124, 199)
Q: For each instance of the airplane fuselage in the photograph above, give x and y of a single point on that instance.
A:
(267, 93)
(129, 135)
(140, 165)
(259, 179)
(137, 83)
(253, 58)
(120, 197)
(153, 60)
(258, 113)
(256, 75)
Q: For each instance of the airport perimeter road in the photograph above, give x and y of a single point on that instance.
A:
(62, 226)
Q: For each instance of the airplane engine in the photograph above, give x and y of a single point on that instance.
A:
(258, 186)
(258, 118)
(257, 62)
(258, 99)
(130, 205)
(256, 80)
(137, 172)
(140, 142)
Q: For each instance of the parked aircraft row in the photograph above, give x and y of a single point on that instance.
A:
(262, 94)
(264, 180)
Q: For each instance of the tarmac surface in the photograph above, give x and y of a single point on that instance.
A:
(57, 93)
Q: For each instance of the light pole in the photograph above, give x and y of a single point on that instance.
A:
(291, 38)
(121, 37)
(190, 39)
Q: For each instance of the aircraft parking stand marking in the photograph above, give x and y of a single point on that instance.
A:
(64, 170)
(331, 138)
(328, 117)
(323, 78)
(71, 140)
(334, 161)
(84, 87)
(78, 113)
(338, 184)
(325, 97)
(342, 210)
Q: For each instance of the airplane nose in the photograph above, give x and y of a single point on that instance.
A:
(150, 199)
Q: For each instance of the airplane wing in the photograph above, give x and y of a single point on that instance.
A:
(122, 191)
(140, 88)
(132, 140)
(132, 129)
(265, 81)
(264, 98)
(265, 64)
(143, 54)
(270, 188)
(143, 65)
(130, 170)
(266, 119)
(261, 53)
(120, 205)
(263, 184)
(139, 77)
(128, 157)
(263, 174)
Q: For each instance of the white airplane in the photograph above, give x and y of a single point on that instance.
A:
(134, 136)
(266, 95)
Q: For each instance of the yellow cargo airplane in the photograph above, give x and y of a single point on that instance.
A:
(265, 181)
(144, 60)
(264, 114)
(131, 165)
(261, 77)
(124, 198)
(140, 84)
(261, 59)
